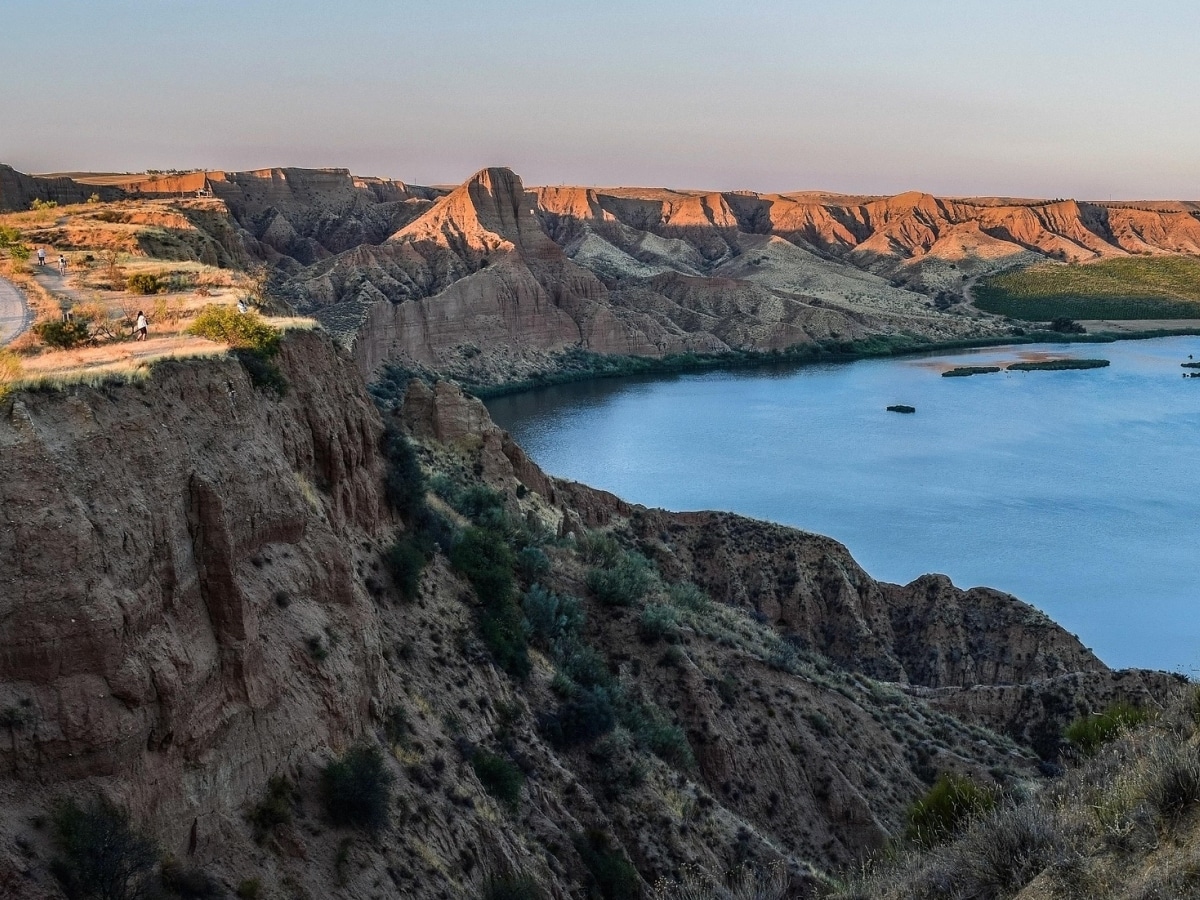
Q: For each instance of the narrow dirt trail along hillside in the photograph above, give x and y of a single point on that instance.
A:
(14, 311)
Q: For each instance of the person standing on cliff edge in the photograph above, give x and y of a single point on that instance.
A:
(140, 328)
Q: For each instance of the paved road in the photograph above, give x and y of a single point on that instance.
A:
(14, 311)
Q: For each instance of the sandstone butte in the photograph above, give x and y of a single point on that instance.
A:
(195, 604)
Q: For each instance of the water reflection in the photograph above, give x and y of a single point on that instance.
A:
(1077, 490)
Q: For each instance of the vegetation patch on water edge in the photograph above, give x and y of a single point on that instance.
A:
(1156, 287)
(1058, 365)
(963, 371)
(577, 364)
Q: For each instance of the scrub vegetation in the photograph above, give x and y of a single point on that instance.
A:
(1139, 287)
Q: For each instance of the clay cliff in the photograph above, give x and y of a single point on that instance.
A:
(287, 217)
(494, 284)
(199, 599)
(660, 272)
(490, 286)
(18, 190)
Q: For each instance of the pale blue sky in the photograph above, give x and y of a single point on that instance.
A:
(1052, 98)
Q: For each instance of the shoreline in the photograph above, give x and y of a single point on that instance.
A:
(596, 366)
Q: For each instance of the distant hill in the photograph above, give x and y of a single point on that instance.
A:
(492, 282)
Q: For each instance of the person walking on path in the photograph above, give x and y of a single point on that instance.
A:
(140, 328)
(41, 256)
(62, 265)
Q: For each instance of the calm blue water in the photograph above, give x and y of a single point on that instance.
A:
(1077, 491)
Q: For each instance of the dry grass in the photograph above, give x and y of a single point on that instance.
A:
(101, 243)
(1126, 824)
(96, 365)
(745, 883)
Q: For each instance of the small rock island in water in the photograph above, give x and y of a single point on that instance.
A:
(901, 408)
(963, 371)
(1054, 365)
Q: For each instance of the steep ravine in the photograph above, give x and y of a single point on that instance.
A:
(194, 601)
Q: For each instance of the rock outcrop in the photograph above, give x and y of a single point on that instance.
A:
(18, 190)
(196, 602)
(477, 289)
(655, 272)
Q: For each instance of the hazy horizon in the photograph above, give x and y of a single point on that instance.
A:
(1036, 100)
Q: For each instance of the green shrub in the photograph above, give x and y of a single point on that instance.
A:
(406, 560)
(622, 584)
(1066, 325)
(356, 789)
(950, 804)
(404, 484)
(396, 725)
(190, 883)
(249, 889)
(518, 886)
(586, 715)
(274, 809)
(1089, 733)
(532, 564)
(502, 631)
(667, 742)
(242, 331)
(686, 595)
(144, 283)
(599, 549)
(316, 648)
(62, 335)
(9, 236)
(586, 667)
(483, 506)
(1172, 782)
(99, 853)
(484, 557)
(499, 776)
(39, 203)
(262, 371)
(612, 876)
(551, 621)
(653, 732)
(658, 622)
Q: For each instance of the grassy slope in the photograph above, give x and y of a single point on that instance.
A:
(1124, 825)
(1155, 287)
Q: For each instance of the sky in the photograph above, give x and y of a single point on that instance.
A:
(1053, 98)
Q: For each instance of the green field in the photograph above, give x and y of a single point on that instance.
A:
(1141, 287)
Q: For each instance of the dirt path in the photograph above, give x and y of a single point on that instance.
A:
(15, 315)
(47, 276)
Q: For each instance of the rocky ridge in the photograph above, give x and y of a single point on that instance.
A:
(489, 286)
(675, 272)
(494, 284)
(197, 603)
(18, 190)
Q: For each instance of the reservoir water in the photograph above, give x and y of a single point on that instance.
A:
(1077, 491)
